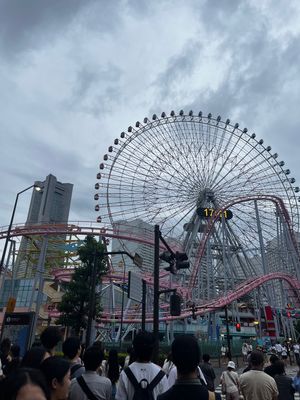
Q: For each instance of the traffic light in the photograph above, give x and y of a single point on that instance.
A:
(238, 327)
(194, 316)
(170, 259)
(175, 305)
(176, 261)
(181, 261)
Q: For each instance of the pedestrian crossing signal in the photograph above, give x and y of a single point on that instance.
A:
(238, 327)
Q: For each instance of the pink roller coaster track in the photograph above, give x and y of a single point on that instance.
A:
(201, 249)
(125, 234)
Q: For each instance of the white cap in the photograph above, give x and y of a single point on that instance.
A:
(231, 364)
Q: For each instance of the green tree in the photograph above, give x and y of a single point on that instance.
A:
(75, 301)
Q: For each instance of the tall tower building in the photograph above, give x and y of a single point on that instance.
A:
(49, 205)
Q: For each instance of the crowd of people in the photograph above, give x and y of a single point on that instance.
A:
(261, 381)
(41, 374)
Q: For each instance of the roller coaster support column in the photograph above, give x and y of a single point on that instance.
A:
(227, 334)
(156, 292)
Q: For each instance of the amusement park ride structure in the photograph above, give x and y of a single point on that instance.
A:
(218, 194)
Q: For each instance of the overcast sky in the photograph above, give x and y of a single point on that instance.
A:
(74, 74)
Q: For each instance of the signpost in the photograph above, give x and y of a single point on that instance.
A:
(18, 328)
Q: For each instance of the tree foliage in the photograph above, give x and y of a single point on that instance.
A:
(75, 301)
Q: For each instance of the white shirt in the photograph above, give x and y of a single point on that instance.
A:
(125, 390)
(284, 351)
(173, 376)
(296, 348)
(278, 347)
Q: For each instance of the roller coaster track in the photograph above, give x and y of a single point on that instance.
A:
(201, 249)
(220, 302)
(125, 234)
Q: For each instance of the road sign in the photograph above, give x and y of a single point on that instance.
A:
(18, 328)
(135, 287)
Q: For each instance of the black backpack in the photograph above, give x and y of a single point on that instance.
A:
(143, 390)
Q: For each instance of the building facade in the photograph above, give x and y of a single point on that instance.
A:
(51, 204)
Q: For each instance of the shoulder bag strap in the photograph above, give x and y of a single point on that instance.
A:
(156, 380)
(74, 368)
(82, 383)
(131, 377)
(231, 378)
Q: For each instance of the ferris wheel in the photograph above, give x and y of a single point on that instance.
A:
(213, 188)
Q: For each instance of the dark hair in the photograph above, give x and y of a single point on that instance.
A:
(279, 367)
(112, 366)
(92, 358)
(256, 358)
(33, 357)
(98, 344)
(55, 367)
(21, 377)
(143, 346)
(5, 346)
(186, 353)
(206, 357)
(273, 358)
(50, 337)
(71, 346)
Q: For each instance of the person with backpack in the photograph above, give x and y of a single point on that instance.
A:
(186, 357)
(90, 385)
(72, 349)
(142, 380)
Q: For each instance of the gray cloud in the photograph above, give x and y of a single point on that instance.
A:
(86, 70)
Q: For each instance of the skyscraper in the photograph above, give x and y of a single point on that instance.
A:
(49, 205)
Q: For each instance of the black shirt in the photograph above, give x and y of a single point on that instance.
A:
(271, 370)
(189, 390)
(209, 374)
(284, 386)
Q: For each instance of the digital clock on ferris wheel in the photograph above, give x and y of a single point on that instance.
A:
(207, 212)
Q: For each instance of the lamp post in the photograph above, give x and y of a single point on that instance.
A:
(11, 222)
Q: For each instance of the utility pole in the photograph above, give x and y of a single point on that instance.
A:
(156, 292)
(144, 305)
(227, 334)
(92, 298)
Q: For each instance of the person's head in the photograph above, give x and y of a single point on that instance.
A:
(279, 367)
(186, 354)
(15, 350)
(5, 346)
(206, 358)
(143, 346)
(57, 373)
(71, 347)
(93, 358)
(113, 372)
(273, 358)
(256, 359)
(231, 365)
(25, 384)
(34, 357)
(98, 343)
(50, 337)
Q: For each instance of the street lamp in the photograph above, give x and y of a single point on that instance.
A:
(11, 222)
